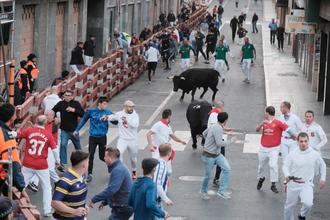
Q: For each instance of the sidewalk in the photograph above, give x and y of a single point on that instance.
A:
(284, 79)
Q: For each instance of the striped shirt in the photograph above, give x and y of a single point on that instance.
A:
(160, 178)
(72, 191)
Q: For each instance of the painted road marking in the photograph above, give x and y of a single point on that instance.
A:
(191, 178)
(183, 135)
(142, 139)
(159, 109)
(252, 143)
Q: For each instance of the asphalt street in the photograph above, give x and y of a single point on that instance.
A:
(245, 104)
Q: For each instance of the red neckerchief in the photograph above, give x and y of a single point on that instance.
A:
(216, 110)
(164, 121)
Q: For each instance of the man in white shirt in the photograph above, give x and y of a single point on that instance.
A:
(161, 133)
(51, 100)
(293, 121)
(299, 171)
(152, 56)
(317, 136)
(128, 123)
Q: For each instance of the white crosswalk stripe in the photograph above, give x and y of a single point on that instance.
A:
(183, 135)
(143, 139)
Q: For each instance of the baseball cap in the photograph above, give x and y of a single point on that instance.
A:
(6, 206)
(148, 164)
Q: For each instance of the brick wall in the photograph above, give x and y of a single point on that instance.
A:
(27, 36)
(59, 49)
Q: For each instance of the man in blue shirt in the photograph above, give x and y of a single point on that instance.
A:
(119, 187)
(273, 28)
(98, 130)
(144, 192)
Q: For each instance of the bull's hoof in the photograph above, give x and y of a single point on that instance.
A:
(194, 146)
(181, 100)
(201, 97)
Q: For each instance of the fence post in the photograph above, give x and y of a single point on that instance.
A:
(11, 83)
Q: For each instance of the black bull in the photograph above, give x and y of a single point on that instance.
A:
(197, 115)
(192, 79)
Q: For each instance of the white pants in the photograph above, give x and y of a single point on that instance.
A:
(287, 145)
(185, 64)
(219, 66)
(133, 149)
(304, 191)
(246, 68)
(75, 69)
(51, 167)
(270, 157)
(88, 60)
(44, 178)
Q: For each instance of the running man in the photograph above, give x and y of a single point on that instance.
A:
(293, 121)
(272, 130)
(220, 59)
(248, 53)
(316, 135)
(185, 54)
(300, 169)
(128, 123)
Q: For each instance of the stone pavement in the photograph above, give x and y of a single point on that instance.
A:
(284, 80)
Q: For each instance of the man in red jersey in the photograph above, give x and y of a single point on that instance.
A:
(270, 146)
(38, 140)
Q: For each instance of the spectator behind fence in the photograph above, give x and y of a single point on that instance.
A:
(171, 18)
(89, 47)
(77, 60)
(23, 80)
(64, 76)
(135, 40)
(51, 100)
(32, 70)
(145, 34)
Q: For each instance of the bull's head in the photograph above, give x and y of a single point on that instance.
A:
(177, 81)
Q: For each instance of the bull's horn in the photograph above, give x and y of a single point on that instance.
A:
(170, 77)
(182, 78)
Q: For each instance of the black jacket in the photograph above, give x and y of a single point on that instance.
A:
(171, 17)
(211, 39)
(77, 56)
(233, 23)
(199, 37)
(89, 47)
(280, 33)
(255, 18)
(69, 120)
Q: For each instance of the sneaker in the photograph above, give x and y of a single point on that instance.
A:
(205, 196)
(61, 168)
(134, 175)
(194, 146)
(216, 182)
(301, 217)
(245, 80)
(223, 80)
(261, 181)
(223, 195)
(248, 81)
(273, 188)
(48, 215)
(167, 68)
(228, 68)
(89, 178)
(207, 62)
(33, 187)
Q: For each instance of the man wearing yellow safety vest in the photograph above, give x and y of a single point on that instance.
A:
(7, 143)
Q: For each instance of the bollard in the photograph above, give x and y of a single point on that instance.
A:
(11, 83)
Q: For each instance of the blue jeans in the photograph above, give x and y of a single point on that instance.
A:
(222, 162)
(65, 137)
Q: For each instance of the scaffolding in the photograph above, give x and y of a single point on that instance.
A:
(7, 9)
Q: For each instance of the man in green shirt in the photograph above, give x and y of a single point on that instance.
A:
(185, 54)
(248, 52)
(220, 58)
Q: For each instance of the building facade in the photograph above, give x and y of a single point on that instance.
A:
(312, 50)
(51, 28)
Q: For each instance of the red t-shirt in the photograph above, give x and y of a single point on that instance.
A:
(38, 140)
(52, 129)
(272, 133)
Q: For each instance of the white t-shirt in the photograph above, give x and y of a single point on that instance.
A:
(50, 101)
(317, 137)
(213, 119)
(161, 134)
(294, 123)
(127, 131)
(152, 54)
